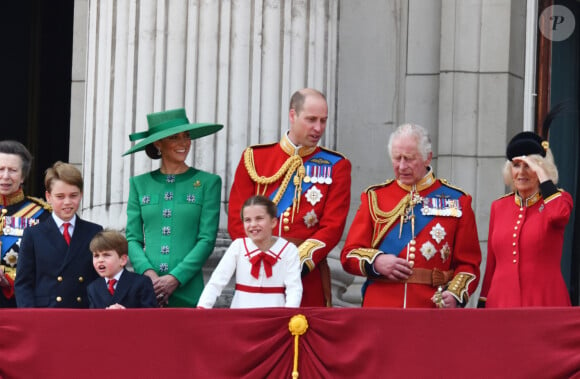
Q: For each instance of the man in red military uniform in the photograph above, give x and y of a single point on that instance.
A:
(415, 237)
(309, 184)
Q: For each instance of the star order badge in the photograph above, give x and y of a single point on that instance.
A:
(310, 219)
(313, 195)
(438, 233)
(428, 250)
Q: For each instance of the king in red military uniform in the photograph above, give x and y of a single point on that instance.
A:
(415, 237)
(309, 184)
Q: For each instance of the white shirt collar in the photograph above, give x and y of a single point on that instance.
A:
(59, 221)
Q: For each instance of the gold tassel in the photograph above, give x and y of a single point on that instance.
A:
(298, 325)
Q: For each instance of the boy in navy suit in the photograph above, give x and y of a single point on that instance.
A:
(117, 288)
(54, 263)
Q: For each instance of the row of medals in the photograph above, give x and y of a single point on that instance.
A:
(320, 174)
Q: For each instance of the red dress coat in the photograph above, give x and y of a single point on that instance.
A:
(524, 250)
(316, 220)
(445, 240)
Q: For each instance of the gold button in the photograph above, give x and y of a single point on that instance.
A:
(411, 256)
(285, 221)
(411, 263)
(58, 299)
(518, 222)
(513, 243)
(515, 261)
(515, 252)
(515, 235)
(413, 242)
(287, 214)
(412, 249)
(59, 278)
(81, 279)
(521, 209)
(520, 216)
(79, 299)
(286, 228)
(515, 228)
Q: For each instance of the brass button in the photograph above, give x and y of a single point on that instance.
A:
(286, 228)
(79, 299)
(81, 279)
(287, 214)
(285, 221)
(515, 261)
(412, 249)
(58, 299)
(411, 263)
(413, 242)
(515, 235)
(515, 228)
(513, 243)
(411, 256)
(59, 278)
(515, 252)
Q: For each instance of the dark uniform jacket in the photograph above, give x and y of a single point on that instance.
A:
(133, 291)
(52, 274)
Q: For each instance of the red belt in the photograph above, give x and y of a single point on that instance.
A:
(252, 289)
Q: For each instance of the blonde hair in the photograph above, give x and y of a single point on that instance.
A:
(547, 163)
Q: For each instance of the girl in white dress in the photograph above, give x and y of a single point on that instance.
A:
(267, 267)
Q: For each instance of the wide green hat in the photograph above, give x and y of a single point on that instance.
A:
(165, 124)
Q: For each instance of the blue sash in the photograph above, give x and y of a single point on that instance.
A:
(321, 159)
(392, 244)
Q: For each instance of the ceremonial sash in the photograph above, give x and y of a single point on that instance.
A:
(16, 223)
(392, 244)
(318, 163)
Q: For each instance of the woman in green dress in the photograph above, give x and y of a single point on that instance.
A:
(172, 212)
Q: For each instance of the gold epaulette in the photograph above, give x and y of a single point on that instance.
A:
(333, 152)
(447, 184)
(40, 202)
(380, 185)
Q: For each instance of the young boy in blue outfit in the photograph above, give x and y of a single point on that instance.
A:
(54, 263)
(117, 288)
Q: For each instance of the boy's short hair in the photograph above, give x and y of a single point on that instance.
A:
(65, 172)
(109, 239)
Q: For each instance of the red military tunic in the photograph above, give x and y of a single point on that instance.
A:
(524, 251)
(432, 227)
(314, 220)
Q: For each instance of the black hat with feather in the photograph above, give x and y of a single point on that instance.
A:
(528, 143)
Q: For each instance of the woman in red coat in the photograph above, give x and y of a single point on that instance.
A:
(526, 231)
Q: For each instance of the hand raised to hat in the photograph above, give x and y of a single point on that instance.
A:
(535, 165)
(392, 267)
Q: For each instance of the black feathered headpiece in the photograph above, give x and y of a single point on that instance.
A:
(528, 143)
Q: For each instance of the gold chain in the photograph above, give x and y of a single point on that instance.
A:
(292, 164)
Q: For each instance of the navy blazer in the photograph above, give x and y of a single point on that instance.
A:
(133, 291)
(52, 274)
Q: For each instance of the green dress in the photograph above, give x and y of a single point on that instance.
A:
(172, 223)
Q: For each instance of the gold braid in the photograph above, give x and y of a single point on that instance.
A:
(292, 164)
(381, 217)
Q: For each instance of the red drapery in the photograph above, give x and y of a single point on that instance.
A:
(339, 343)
